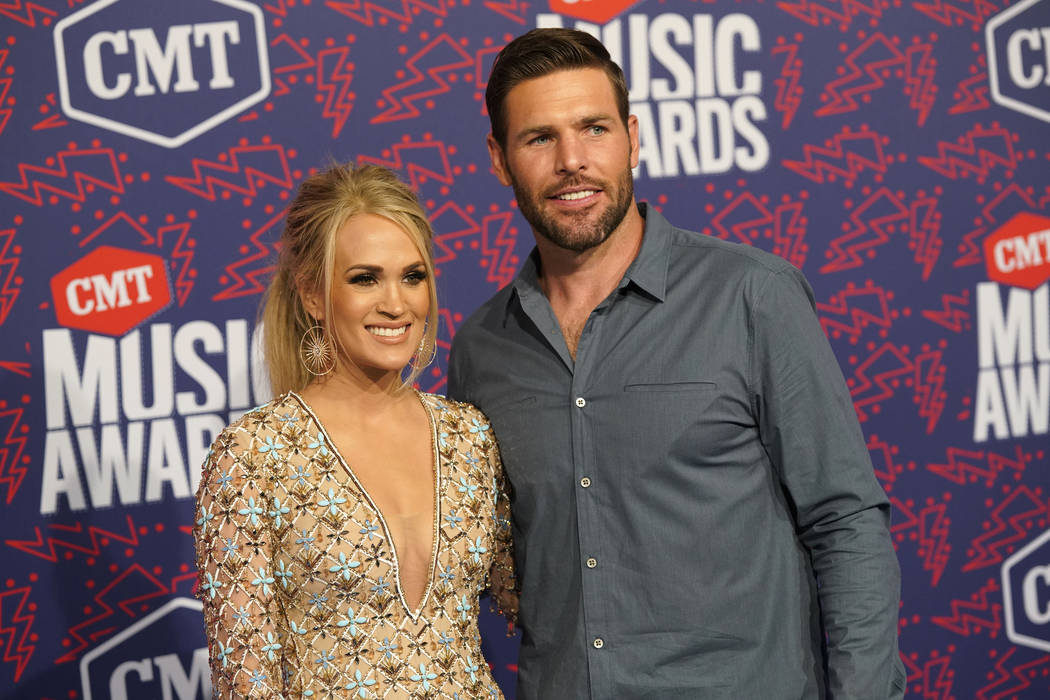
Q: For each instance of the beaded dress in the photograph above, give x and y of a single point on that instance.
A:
(299, 576)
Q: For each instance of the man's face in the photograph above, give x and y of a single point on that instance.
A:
(568, 157)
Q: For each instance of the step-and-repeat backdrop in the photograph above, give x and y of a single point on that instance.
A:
(897, 151)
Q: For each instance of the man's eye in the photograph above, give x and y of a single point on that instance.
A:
(541, 140)
(597, 130)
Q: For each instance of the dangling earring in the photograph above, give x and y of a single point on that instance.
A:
(424, 354)
(315, 353)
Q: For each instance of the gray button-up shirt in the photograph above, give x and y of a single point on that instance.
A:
(694, 507)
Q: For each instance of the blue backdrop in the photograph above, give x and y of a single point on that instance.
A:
(894, 150)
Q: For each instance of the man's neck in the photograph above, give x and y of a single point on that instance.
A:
(576, 282)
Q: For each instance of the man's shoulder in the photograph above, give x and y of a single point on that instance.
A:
(489, 313)
(692, 246)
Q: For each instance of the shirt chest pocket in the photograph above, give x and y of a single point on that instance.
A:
(658, 420)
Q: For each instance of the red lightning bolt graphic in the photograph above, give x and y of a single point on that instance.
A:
(71, 165)
(15, 624)
(252, 165)
(26, 14)
(971, 616)
(447, 56)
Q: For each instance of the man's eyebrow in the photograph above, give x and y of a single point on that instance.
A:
(585, 120)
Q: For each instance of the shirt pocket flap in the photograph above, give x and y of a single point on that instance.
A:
(671, 386)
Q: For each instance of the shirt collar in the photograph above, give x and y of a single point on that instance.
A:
(648, 271)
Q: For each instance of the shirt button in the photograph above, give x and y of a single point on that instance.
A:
(581, 402)
(585, 482)
(591, 563)
(599, 642)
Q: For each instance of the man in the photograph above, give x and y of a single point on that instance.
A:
(695, 513)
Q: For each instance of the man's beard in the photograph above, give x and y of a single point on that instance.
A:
(576, 233)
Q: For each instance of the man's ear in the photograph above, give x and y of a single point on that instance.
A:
(499, 163)
(312, 299)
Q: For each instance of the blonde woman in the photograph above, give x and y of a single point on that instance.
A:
(345, 530)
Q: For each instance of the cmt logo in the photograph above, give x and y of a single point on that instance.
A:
(1026, 594)
(163, 655)
(164, 72)
(110, 290)
(1018, 253)
(597, 11)
(1018, 44)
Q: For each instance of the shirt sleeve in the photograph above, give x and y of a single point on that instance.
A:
(235, 570)
(503, 583)
(809, 429)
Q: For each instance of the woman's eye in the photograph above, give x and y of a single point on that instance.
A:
(416, 276)
(363, 279)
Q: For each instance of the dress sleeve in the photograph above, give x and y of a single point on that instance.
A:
(503, 583)
(810, 431)
(235, 571)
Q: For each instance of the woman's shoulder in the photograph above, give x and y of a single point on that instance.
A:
(269, 417)
(461, 409)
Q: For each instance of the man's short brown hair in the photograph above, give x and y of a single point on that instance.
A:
(541, 52)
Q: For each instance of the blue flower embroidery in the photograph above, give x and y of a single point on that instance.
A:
(423, 677)
(447, 575)
(318, 599)
(351, 621)
(305, 540)
(318, 444)
(445, 640)
(229, 546)
(278, 511)
(466, 488)
(344, 566)
(211, 584)
(332, 503)
(263, 580)
(205, 517)
(271, 646)
(463, 608)
(381, 585)
(477, 549)
(300, 475)
(325, 659)
(472, 669)
(368, 529)
(283, 573)
(479, 429)
(241, 615)
(224, 479)
(453, 519)
(224, 653)
(360, 685)
(257, 678)
(387, 647)
(252, 511)
(270, 446)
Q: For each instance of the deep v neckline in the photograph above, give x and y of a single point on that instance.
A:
(435, 524)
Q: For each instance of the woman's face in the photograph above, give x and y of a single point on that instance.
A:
(380, 296)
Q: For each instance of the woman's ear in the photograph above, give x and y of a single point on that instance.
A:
(311, 300)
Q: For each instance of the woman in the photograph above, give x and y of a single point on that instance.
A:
(345, 529)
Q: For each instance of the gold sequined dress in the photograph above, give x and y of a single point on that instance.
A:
(299, 576)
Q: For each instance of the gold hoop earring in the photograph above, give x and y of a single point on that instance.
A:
(424, 355)
(315, 353)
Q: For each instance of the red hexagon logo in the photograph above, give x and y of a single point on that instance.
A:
(111, 290)
(597, 11)
(1018, 253)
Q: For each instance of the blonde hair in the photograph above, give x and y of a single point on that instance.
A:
(324, 203)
